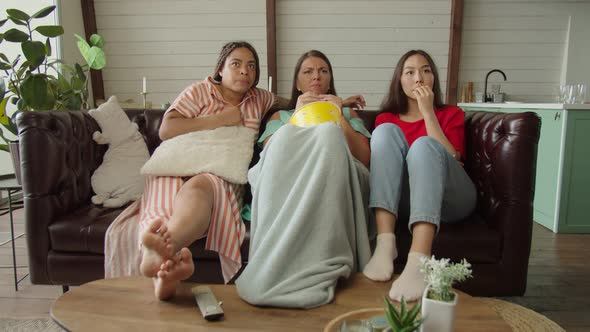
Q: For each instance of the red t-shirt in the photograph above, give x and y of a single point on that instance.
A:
(450, 118)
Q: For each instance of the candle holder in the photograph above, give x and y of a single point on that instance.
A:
(144, 95)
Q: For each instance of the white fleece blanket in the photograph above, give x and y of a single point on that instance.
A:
(309, 220)
(224, 151)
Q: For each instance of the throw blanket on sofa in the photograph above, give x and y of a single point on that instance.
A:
(309, 224)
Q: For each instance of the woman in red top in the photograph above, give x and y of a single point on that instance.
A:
(416, 170)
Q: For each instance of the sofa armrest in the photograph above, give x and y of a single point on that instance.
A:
(58, 157)
(501, 160)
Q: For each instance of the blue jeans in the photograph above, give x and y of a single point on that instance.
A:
(436, 184)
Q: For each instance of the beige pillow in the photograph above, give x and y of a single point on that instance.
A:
(224, 151)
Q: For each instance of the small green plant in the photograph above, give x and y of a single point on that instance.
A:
(403, 320)
(441, 274)
(34, 81)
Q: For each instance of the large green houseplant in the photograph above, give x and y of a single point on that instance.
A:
(34, 81)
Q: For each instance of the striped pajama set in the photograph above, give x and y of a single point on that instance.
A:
(226, 229)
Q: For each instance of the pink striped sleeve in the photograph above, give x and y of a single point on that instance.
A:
(189, 102)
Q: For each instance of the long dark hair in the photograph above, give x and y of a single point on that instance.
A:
(396, 100)
(226, 51)
(296, 93)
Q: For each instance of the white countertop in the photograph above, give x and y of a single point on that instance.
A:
(527, 105)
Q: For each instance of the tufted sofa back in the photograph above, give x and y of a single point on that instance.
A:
(48, 138)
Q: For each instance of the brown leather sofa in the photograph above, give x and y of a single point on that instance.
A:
(65, 231)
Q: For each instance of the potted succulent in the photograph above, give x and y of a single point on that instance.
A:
(34, 81)
(403, 320)
(439, 300)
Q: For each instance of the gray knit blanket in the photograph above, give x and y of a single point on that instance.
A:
(309, 218)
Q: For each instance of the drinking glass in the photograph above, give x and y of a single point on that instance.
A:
(570, 95)
(563, 93)
(581, 92)
(495, 88)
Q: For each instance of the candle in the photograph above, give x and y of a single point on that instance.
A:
(144, 85)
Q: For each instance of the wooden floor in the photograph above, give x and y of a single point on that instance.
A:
(558, 284)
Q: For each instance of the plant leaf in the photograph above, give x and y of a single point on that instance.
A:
(72, 102)
(50, 30)
(43, 12)
(97, 40)
(96, 58)
(34, 51)
(83, 47)
(23, 67)
(403, 311)
(21, 105)
(4, 147)
(392, 315)
(2, 89)
(414, 312)
(4, 66)
(80, 38)
(17, 22)
(80, 72)
(4, 57)
(3, 116)
(18, 14)
(47, 47)
(35, 92)
(3, 21)
(15, 36)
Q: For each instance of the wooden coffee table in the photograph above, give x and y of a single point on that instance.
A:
(128, 304)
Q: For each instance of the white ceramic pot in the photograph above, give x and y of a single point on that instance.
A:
(440, 316)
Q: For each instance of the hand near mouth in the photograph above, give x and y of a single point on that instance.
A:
(425, 98)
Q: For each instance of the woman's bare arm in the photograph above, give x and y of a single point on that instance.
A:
(175, 124)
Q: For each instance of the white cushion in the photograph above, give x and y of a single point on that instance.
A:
(224, 151)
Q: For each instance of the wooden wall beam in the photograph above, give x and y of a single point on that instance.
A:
(89, 17)
(454, 51)
(271, 42)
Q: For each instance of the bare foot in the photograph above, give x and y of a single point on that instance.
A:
(180, 267)
(157, 247)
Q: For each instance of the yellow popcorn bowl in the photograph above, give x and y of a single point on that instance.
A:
(315, 113)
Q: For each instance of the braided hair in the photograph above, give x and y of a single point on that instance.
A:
(226, 51)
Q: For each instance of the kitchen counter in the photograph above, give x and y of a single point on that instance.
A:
(562, 185)
(537, 106)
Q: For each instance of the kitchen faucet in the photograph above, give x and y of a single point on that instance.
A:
(485, 89)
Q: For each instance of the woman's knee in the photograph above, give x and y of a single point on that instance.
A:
(386, 135)
(425, 147)
(331, 137)
(198, 185)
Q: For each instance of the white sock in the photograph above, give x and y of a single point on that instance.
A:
(410, 283)
(380, 267)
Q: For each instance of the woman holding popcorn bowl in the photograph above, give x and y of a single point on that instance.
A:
(309, 195)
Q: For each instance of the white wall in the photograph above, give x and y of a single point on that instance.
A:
(526, 39)
(173, 43)
(577, 68)
(363, 40)
(12, 49)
